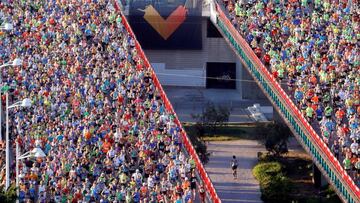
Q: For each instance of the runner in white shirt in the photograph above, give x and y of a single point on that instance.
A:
(137, 175)
(234, 165)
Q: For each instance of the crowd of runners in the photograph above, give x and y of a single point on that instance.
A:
(95, 111)
(100, 119)
(312, 48)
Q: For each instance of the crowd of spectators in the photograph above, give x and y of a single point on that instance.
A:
(313, 49)
(95, 111)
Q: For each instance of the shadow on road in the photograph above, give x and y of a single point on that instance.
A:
(244, 189)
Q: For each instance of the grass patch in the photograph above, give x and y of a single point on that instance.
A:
(220, 138)
(226, 133)
(289, 179)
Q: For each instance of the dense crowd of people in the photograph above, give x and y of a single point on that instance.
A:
(95, 111)
(313, 49)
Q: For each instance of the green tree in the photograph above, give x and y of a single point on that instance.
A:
(212, 117)
(276, 188)
(208, 121)
(200, 148)
(275, 137)
(8, 196)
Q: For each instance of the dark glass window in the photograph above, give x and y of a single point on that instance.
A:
(212, 31)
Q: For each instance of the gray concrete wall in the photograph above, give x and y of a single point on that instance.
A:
(239, 76)
(214, 50)
(250, 89)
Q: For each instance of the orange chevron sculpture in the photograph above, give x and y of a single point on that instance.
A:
(165, 27)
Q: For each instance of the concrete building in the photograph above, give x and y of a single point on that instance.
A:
(213, 70)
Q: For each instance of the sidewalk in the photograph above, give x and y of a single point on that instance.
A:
(244, 189)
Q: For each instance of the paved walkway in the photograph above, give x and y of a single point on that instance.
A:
(246, 187)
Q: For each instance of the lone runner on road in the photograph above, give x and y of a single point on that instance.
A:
(234, 165)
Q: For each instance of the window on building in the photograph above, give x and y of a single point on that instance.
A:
(221, 75)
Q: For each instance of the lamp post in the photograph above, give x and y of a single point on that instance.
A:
(24, 103)
(35, 153)
(6, 27)
(16, 62)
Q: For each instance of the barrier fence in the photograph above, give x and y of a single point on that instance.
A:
(310, 139)
(185, 140)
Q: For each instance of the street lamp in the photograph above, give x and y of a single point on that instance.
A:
(24, 103)
(7, 27)
(35, 153)
(15, 62)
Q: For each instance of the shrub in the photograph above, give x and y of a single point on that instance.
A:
(275, 187)
(263, 170)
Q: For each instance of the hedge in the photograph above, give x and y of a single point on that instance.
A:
(274, 186)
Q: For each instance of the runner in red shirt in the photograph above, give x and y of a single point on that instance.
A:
(202, 193)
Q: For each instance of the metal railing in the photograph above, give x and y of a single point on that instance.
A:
(310, 140)
(210, 189)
